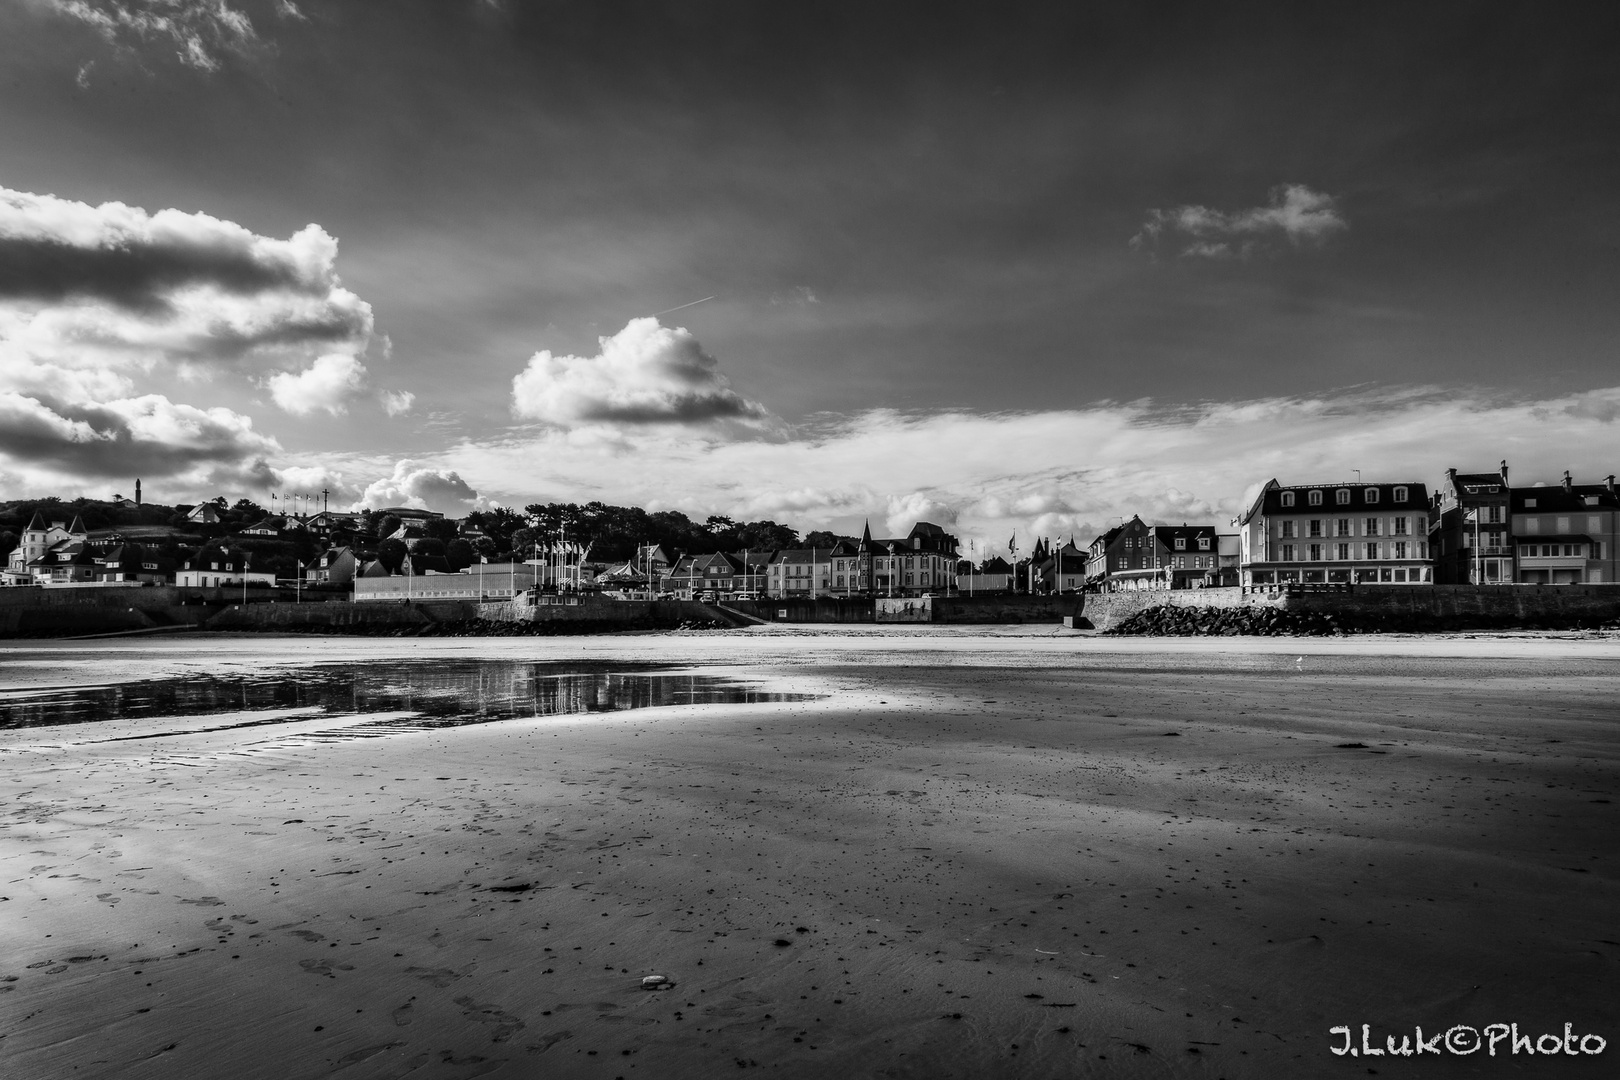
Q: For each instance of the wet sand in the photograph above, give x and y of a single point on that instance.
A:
(1004, 854)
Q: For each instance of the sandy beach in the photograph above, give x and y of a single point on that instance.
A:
(967, 854)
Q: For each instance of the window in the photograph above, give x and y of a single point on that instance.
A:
(1344, 552)
(1594, 523)
(1400, 494)
(1400, 526)
(1288, 553)
(1372, 495)
(1316, 526)
(1531, 525)
(1316, 553)
(1372, 527)
(1288, 498)
(1203, 543)
(1494, 515)
(1287, 528)
(1529, 504)
(1563, 524)
(1400, 549)
(1315, 498)
(1343, 528)
(1342, 496)
(1181, 543)
(1372, 551)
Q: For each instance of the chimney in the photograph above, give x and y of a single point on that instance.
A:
(1609, 483)
(1569, 485)
(1504, 473)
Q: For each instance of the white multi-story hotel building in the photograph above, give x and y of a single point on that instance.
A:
(1327, 534)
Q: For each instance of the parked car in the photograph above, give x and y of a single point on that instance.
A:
(707, 596)
(748, 596)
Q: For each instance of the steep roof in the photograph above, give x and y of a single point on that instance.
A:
(37, 523)
(1555, 498)
(802, 556)
(1378, 498)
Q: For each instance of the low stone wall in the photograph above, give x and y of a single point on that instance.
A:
(72, 620)
(801, 609)
(994, 608)
(1002, 608)
(339, 616)
(101, 596)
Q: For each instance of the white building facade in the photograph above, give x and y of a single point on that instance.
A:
(1336, 534)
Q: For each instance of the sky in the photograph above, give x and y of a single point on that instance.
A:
(1018, 269)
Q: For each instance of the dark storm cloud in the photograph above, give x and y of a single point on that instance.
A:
(53, 249)
(135, 286)
(148, 435)
(136, 276)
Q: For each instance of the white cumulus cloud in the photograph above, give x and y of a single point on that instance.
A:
(327, 384)
(645, 374)
(424, 488)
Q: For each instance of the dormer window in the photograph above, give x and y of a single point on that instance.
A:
(1203, 543)
(1315, 498)
(1372, 495)
(1181, 543)
(1288, 498)
(1530, 504)
(1342, 496)
(1400, 494)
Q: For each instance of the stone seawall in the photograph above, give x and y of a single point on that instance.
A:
(1394, 607)
(338, 616)
(989, 609)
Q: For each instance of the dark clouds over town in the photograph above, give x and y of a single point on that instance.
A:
(1030, 266)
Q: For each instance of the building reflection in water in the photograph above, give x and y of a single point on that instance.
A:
(441, 693)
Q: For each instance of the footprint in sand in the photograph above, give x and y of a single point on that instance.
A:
(355, 1056)
(548, 1041)
(205, 901)
(507, 1025)
(107, 898)
(441, 977)
(402, 1015)
(308, 935)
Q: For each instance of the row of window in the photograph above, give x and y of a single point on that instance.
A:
(1396, 549)
(1567, 551)
(1397, 526)
(1341, 497)
(1368, 576)
(1594, 523)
